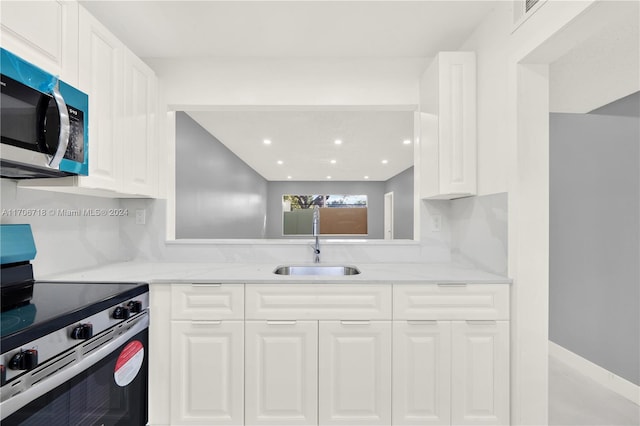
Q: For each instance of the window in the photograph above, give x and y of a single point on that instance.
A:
(339, 214)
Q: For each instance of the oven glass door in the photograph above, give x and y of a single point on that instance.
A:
(111, 392)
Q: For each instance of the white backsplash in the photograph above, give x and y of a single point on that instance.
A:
(64, 241)
(479, 231)
(472, 230)
(147, 242)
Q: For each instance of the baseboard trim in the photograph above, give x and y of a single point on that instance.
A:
(604, 377)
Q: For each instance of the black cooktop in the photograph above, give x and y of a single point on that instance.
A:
(55, 305)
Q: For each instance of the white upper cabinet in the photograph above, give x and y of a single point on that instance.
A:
(44, 33)
(140, 109)
(448, 127)
(101, 65)
(122, 117)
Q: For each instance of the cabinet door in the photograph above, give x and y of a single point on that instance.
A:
(448, 126)
(207, 301)
(100, 76)
(45, 33)
(451, 301)
(207, 373)
(421, 372)
(140, 88)
(480, 373)
(281, 370)
(319, 301)
(354, 373)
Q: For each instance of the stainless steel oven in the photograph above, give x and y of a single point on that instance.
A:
(73, 353)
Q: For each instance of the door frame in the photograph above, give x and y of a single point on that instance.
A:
(388, 216)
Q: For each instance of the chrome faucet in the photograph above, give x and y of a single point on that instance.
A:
(316, 233)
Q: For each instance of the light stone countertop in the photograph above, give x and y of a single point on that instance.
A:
(185, 272)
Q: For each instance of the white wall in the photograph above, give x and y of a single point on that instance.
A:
(513, 106)
(591, 80)
(602, 69)
(289, 82)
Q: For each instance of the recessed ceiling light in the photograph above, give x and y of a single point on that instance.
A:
(280, 162)
(338, 142)
(288, 177)
(328, 177)
(366, 177)
(333, 161)
(385, 161)
(266, 142)
(406, 142)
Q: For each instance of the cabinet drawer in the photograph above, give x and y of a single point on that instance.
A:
(318, 301)
(451, 302)
(207, 301)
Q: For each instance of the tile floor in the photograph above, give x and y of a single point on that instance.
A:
(576, 400)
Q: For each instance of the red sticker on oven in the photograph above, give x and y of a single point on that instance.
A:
(129, 363)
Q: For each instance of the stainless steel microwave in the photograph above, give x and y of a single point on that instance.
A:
(43, 123)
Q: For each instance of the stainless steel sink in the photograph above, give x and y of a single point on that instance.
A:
(316, 270)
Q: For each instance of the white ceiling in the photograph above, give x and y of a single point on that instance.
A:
(368, 137)
(300, 29)
(290, 28)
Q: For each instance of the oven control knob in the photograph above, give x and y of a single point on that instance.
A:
(121, 313)
(24, 360)
(135, 306)
(3, 375)
(82, 332)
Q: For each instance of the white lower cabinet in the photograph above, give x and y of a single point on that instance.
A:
(355, 373)
(480, 373)
(421, 372)
(207, 372)
(451, 373)
(281, 373)
(441, 357)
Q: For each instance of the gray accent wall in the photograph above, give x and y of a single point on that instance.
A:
(594, 284)
(217, 194)
(373, 190)
(402, 187)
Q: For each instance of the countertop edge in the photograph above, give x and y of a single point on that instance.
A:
(262, 273)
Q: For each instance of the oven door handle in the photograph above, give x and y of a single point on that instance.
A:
(65, 129)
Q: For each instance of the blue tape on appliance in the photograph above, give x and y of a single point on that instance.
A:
(16, 243)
